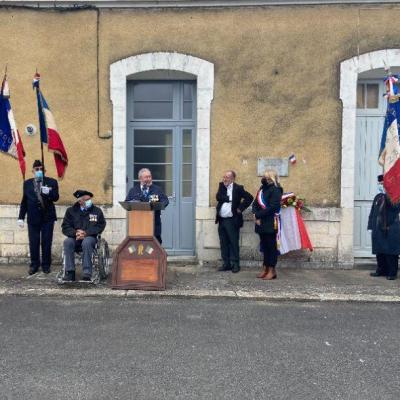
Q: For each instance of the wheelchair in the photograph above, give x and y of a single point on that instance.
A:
(100, 263)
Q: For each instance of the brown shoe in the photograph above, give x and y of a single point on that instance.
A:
(271, 274)
(263, 273)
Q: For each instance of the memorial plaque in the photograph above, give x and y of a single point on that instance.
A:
(138, 270)
(280, 165)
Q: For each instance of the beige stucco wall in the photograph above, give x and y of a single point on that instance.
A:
(276, 79)
(62, 45)
(276, 85)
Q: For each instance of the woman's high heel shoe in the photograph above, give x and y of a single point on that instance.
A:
(264, 273)
(271, 274)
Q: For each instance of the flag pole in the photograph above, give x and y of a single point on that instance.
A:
(40, 110)
(4, 79)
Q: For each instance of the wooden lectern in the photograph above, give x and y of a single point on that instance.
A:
(139, 261)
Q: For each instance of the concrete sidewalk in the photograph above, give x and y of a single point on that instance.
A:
(205, 282)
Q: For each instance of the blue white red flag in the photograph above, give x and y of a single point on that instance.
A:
(389, 154)
(48, 130)
(10, 139)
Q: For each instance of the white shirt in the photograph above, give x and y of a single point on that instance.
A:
(226, 209)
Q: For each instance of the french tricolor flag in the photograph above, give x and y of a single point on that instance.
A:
(389, 154)
(10, 139)
(48, 130)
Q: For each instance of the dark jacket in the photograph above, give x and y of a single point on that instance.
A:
(91, 221)
(136, 194)
(384, 223)
(38, 213)
(272, 197)
(240, 200)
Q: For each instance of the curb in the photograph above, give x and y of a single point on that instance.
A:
(198, 294)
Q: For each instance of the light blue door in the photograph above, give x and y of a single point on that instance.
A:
(371, 108)
(161, 137)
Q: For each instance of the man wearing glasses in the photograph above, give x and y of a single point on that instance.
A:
(147, 191)
(39, 195)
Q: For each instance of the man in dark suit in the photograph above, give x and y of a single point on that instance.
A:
(147, 191)
(232, 201)
(384, 224)
(39, 195)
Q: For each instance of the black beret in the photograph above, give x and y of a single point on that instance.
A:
(80, 193)
(37, 163)
(380, 178)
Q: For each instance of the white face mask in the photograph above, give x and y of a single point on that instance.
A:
(381, 189)
(88, 203)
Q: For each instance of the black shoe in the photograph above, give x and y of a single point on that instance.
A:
(375, 274)
(225, 268)
(391, 278)
(33, 271)
(46, 270)
(69, 276)
(235, 269)
(87, 277)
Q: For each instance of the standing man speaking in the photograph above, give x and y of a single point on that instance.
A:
(146, 191)
(232, 201)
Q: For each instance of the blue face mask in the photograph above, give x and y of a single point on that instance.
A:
(381, 189)
(88, 203)
(39, 175)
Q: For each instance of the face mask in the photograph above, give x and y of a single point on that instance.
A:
(381, 189)
(39, 175)
(264, 181)
(88, 203)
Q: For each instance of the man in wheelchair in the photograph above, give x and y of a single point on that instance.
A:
(82, 223)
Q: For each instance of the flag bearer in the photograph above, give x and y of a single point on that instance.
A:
(39, 195)
(384, 224)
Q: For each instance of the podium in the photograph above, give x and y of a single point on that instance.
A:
(139, 261)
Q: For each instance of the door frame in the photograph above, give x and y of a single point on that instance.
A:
(198, 69)
(349, 74)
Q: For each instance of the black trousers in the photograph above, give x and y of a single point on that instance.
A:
(269, 248)
(228, 233)
(388, 264)
(40, 237)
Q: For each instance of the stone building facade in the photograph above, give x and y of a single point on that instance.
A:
(271, 81)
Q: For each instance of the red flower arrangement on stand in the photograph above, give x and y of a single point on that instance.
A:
(291, 200)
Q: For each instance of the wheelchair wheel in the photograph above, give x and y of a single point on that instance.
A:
(60, 273)
(103, 254)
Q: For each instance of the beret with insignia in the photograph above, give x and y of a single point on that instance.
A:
(79, 193)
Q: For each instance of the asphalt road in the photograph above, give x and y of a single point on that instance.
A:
(197, 349)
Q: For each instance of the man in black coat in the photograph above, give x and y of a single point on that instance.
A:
(82, 223)
(39, 195)
(232, 201)
(147, 191)
(384, 224)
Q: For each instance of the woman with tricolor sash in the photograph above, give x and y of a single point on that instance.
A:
(265, 208)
